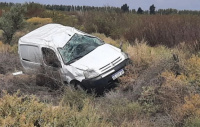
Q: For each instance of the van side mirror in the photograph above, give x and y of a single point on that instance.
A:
(120, 45)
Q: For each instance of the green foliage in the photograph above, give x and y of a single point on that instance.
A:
(144, 55)
(11, 21)
(168, 11)
(34, 10)
(193, 122)
(125, 8)
(140, 11)
(75, 98)
(28, 111)
(165, 98)
(119, 110)
(152, 9)
(38, 20)
(62, 18)
(169, 30)
(147, 100)
(192, 70)
(170, 91)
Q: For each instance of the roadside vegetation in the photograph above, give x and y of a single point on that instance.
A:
(161, 86)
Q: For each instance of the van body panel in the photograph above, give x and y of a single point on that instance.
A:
(30, 57)
(103, 82)
(94, 68)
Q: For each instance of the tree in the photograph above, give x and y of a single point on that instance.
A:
(11, 21)
(34, 10)
(125, 8)
(152, 9)
(140, 11)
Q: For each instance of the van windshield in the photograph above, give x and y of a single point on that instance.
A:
(78, 46)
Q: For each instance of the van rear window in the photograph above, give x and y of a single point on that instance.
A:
(30, 53)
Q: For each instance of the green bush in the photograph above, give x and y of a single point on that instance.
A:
(28, 111)
(12, 21)
(192, 122)
(75, 98)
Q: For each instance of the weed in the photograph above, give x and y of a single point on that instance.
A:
(38, 20)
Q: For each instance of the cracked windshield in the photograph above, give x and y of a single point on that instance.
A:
(78, 46)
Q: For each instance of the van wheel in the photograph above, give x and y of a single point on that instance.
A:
(77, 85)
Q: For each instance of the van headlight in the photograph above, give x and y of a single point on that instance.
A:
(90, 73)
(125, 55)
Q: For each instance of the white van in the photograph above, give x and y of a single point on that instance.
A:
(74, 56)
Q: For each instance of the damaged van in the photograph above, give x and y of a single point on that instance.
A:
(71, 55)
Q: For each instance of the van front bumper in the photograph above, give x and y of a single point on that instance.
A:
(101, 83)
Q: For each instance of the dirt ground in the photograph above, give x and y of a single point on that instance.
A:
(26, 84)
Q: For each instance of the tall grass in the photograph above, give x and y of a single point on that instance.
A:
(38, 20)
(28, 111)
(166, 97)
(161, 86)
(9, 60)
(168, 30)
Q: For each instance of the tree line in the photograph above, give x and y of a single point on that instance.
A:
(124, 8)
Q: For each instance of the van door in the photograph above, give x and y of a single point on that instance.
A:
(30, 57)
(51, 64)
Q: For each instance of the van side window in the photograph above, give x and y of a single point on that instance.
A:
(49, 57)
(30, 53)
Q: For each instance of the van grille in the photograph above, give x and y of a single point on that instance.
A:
(111, 65)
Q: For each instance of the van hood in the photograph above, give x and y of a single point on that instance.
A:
(99, 58)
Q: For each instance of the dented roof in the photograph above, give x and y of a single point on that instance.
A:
(55, 35)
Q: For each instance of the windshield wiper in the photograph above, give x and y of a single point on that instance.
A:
(75, 59)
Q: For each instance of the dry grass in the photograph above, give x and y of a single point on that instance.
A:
(106, 39)
(38, 20)
(28, 111)
(143, 55)
(5, 48)
(159, 89)
(168, 30)
(115, 43)
(147, 63)
(9, 59)
(161, 86)
(1, 33)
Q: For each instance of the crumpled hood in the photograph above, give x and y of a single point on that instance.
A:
(98, 58)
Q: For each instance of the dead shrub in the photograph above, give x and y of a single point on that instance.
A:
(9, 62)
(28, 111)
(75, 98)
(188, 112)
(118, 109)
(147, 64)
(106, 39)
(167, 30)
(143, 55)
(192, 122)
(38, 20)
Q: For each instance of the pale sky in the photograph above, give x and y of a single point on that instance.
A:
(133, 4)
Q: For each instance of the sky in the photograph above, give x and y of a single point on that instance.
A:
(133, 4)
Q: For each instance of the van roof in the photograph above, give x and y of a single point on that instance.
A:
(54, 35)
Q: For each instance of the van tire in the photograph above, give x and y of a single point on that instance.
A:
(76, 85)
